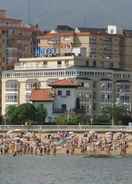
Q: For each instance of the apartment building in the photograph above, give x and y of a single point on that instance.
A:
(60, 40)
(17, 39)
(103, 47)
(2, 46)
(126, 50)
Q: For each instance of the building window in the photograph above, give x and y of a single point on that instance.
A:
(102, 98)
(87, 62)
(30, 84)
(94, 63)
(124, 99)
(63, 106)
(12, 85)
(28, 97)
(66, 62)
(68, 93)
(11, 97)
(59, 62)
(45, 63)
(59, 93)
(38, 40)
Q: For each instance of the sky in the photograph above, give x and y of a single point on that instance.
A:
(86, 13)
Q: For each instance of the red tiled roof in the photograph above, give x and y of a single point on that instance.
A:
(64, 83)
(42, 95)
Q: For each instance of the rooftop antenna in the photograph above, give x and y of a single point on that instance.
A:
(29, 11)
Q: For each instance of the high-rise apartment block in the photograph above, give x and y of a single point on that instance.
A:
(102, 47)
(16, 40)
(126, 49)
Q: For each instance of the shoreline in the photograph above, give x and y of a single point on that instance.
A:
(73, 155)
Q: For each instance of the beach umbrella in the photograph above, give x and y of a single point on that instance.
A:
(9, 132)
(16, 138)
(108, 133)
(61, 142)
(28, 134)
(15, 131)
(117, 135)
(91, 132)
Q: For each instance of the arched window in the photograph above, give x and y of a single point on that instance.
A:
(12, 85)
(32, 83)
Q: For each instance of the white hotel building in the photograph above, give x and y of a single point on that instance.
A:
(99, 87)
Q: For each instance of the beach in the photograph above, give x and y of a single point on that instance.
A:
(90, 143)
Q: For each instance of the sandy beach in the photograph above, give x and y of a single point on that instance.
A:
(61, 150)
(67, 143)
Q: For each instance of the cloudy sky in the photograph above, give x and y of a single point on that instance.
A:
(49, 13)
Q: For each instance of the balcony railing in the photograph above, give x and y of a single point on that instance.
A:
(54, 128)
(59, 110)
(79, 110)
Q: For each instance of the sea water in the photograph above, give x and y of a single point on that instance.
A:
(65, 170)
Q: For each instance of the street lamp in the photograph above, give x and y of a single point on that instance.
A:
(91, 121)
(113, 97)
(5, 121)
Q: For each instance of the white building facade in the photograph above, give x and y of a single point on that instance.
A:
(60, 99)
(99, 87)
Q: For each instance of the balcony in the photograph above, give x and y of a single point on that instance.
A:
(40, 66)
(59, 110)
(63, 110)
(79, 110)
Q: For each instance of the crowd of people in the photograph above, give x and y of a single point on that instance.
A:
(69, 143)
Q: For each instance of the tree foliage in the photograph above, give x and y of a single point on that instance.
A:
(40, 114)
(119, 114)
(24, 113)
(68, 120)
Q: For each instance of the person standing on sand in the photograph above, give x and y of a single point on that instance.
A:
(54, 149)
(123, 148)
(106, 143)
(48, 149)
(2, 148)
(17, 147)
(72, 149)
(67, 149)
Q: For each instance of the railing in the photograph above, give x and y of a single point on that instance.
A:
(56, 110)
(66, 127)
